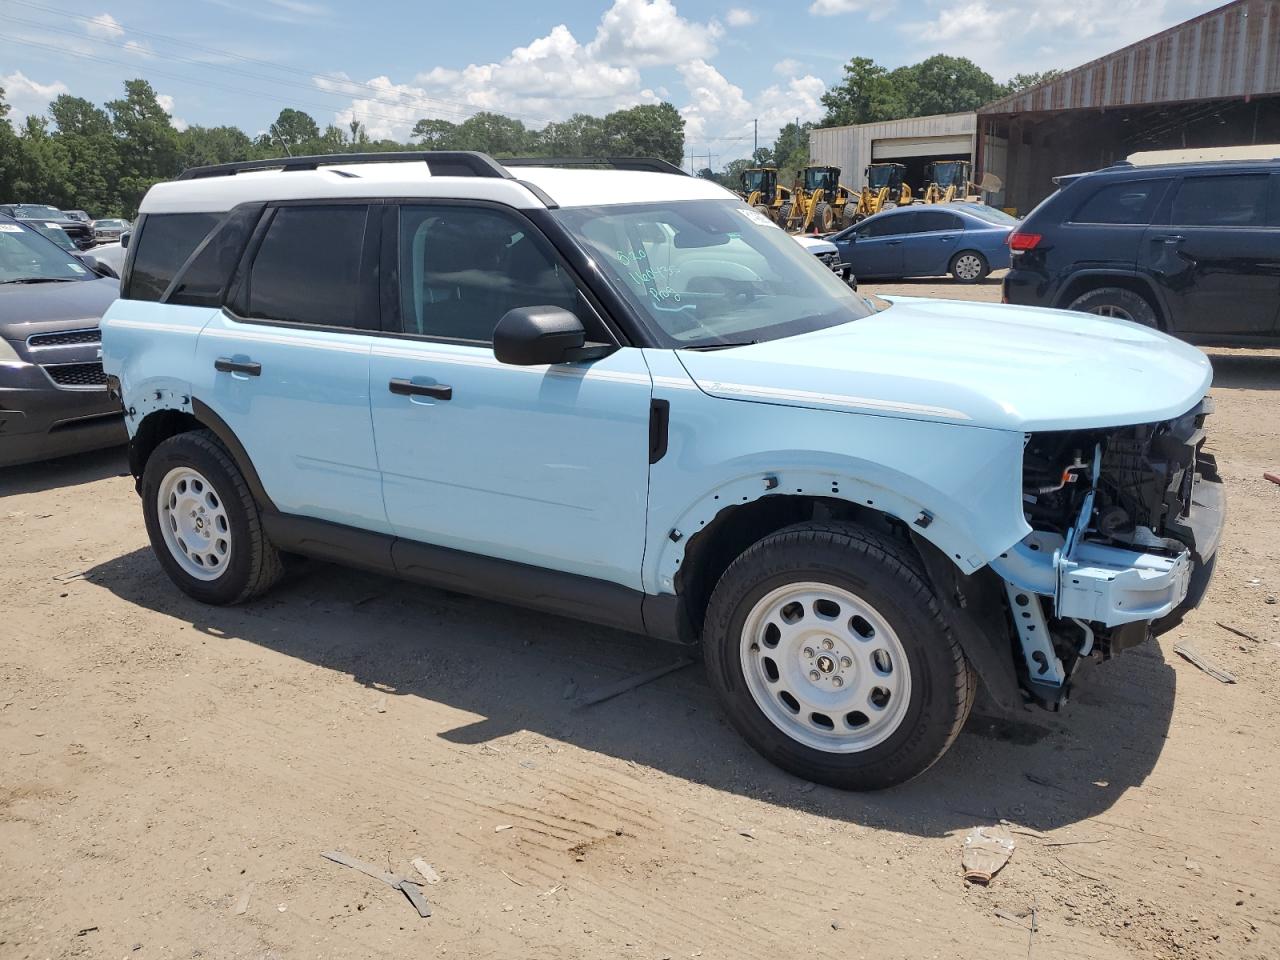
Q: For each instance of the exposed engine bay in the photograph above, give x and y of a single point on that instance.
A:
(1128, 487)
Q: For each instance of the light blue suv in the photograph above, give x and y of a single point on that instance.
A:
(617, 393)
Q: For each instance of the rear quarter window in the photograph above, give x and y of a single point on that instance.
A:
(162, 245)
(1127, 202)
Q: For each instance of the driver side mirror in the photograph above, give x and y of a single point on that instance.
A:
(532, 336)
(124, 239)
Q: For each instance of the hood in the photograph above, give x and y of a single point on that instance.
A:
(979, 364)
(815, 245)
(27, 308)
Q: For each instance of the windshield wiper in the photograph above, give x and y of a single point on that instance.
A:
(723, 345)
(40, 280)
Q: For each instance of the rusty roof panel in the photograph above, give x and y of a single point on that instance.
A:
(1233, 51)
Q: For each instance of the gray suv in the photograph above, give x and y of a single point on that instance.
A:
(53, 396)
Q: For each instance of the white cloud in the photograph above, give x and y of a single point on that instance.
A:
(741, 17)
(787, 67)
(830, 8)
(650, 33)
(27, 96)
(139, 48)
(104, 25)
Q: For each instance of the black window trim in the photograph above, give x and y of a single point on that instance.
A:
(228, 217)
(135, 242)
(392, 320)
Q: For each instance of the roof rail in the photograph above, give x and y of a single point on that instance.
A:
(649, 164)
(440, 163)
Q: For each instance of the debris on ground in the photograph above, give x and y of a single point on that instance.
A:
(393, 880)
(1194, 656)
(611, 690)
(1238, 633)
(427, 871)
(502, 826)
(242, 901)
(986, 850)
(84, 930)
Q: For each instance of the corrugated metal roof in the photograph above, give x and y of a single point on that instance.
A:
(1232, 51)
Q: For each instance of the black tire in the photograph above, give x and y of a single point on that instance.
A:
(824, 217)
(254, 564)
(1117, 302)
(888, 577)
(962, 267)
(784, 215)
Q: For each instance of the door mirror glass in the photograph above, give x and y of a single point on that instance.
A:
(530, 336)
(124, 239)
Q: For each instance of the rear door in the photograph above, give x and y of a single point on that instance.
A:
(931, 243)
(877, 251)
(1217, 260)
(286, 362)
(1105, 231)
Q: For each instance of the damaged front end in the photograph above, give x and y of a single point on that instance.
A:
(1125, 526)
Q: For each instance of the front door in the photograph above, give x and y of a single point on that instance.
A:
(286, 365)
(1218, 259)
(932, 241)
(877, 251)
(542, 465)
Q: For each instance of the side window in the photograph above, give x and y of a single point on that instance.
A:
(162, 246)
(1130, 202)
(1231, 201)
(307, 269)
(462, 268)
(930, 220)
(889, 226)
(203, 280)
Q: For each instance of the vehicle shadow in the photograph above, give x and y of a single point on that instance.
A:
(518, 671)
(67, 471)
(1245, 371)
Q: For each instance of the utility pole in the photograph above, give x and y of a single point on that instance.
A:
(755, 136)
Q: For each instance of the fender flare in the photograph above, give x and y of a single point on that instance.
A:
(1102, 273)
(227, 437)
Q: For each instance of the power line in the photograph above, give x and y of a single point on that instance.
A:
(374, 92)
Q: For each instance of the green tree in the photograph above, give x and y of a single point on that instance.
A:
(791, 151)
(1025, 81)
(294, 128)
(75, 116)
(943, 84)
(10, 152)
(200, 146)
(492, 133)
(435, 134)
(649, 130)
(863, 95)
(148, 143)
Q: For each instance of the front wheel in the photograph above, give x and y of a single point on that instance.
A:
(969, 266)
(827, 648)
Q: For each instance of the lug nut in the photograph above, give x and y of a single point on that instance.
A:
(836, 681)
(846, 662)
(827, 645)
(814, 675)
(808, 652)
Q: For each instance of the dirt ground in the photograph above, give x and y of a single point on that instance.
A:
(170, 773)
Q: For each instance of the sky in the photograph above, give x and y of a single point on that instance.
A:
(392, 62)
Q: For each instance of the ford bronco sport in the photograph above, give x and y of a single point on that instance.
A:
(661, 414)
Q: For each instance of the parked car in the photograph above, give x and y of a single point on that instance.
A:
(113, 254)
(1190, 248)
(54, 233)
(78, 215)
(105, 230)
(966, 240)
(80, 233)
(53, 396)
(828, 255)
(624, 396)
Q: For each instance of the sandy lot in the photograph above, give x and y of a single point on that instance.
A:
(170, 773)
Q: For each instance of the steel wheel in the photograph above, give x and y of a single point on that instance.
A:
(825, 667)
(193, 521)
(968, 267)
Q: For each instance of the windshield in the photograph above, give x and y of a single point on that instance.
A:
(37, 210)
(819, 178)
(703, 273)
(752, 179)
(991, 214)
(882, 175)
(26, 255)
(54, 233)
(950, 172)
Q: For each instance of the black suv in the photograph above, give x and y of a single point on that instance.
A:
(80, 232)
(1191, 248)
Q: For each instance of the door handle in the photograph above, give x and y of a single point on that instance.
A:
(1170, 239)
(227, 365)
(407, 388)
(893, 243)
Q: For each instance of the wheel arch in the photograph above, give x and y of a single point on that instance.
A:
(161, 424)
(1083, 281)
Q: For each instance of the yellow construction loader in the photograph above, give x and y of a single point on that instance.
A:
(885, 188)
(819, 202)
(761, 190)
(948, 180)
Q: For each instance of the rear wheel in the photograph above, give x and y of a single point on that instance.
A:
(828, 651)
(1116, 302)
(969, 266)
(784, 215)
(824, 218)
(203, 522)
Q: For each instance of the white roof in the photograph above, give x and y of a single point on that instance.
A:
(567, 187)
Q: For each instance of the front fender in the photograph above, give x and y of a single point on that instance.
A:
(959, 487)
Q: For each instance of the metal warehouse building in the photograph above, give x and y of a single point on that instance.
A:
(913, 142)
(1213, 81)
